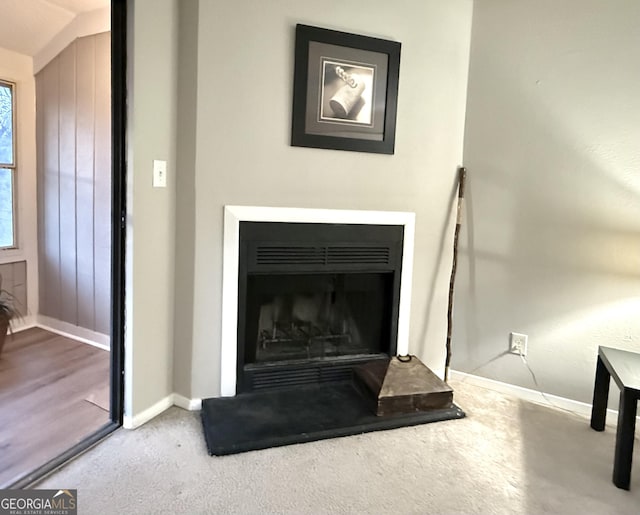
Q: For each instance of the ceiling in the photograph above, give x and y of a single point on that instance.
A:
(26, 26)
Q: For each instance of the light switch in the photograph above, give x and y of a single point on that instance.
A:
(159, 174)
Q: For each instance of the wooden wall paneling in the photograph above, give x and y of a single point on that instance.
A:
(67, 135)
(85, 185)
(14, 280)
(74, 127)
(6, 272)
(103, 182)
(49, 251)
(20, 286)
(40, 159)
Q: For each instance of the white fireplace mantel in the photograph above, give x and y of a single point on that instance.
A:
(233, 215)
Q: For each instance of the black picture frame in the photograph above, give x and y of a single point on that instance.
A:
(345, 91)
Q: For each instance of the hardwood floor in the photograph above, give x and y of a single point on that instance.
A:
(54, 392)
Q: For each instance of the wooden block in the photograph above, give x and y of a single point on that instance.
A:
(396, 387)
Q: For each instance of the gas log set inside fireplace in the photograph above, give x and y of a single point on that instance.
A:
(308, 326)
(310, 317)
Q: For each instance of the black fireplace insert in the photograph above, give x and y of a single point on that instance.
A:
(314, 300)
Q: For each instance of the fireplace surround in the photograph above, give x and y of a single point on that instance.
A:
(323, 274)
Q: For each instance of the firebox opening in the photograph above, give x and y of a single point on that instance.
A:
(317, 316)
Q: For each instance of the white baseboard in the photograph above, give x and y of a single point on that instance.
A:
(185, 403)
(173, 399)
(132, 422)
(24, 323)
(102, 341)
(550, 400)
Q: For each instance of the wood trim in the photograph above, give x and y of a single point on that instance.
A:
(79, 334)
(135, 421)
(159, 407)
(546, 399)
(185, 403)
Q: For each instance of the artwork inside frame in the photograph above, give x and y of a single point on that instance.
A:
(345, 91)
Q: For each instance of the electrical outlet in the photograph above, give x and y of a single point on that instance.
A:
(518, 344)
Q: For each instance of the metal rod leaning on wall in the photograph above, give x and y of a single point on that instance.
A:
(462, 176)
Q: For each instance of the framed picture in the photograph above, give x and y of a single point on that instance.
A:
(345, 91)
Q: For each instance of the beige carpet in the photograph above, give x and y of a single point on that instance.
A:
(506, 457)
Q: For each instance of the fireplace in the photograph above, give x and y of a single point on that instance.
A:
(309, 293)
(315, 299)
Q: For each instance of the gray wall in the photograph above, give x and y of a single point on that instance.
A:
(185, 191)
(550, 241)
(242, 153)
(151, 231)
(550, 244)
(74, 184)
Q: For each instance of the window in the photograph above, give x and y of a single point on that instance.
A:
(7, 164)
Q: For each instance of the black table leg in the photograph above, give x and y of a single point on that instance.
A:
(624, 440)
(600, 396)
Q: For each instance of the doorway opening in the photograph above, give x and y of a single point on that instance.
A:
(87, 360)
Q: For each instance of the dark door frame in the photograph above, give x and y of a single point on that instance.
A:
(118, 206)
(118, 239)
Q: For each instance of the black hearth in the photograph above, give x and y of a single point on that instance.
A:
(314, 301)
